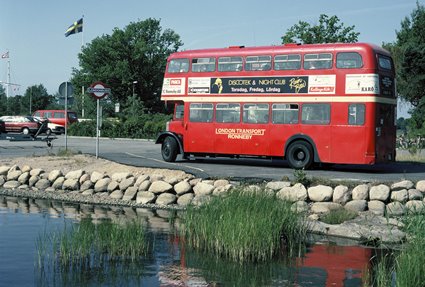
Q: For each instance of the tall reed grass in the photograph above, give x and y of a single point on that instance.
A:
(244, 226)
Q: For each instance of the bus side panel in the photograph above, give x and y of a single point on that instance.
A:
(278, 135)
(227, 139)
(385, 132)
(321, 136)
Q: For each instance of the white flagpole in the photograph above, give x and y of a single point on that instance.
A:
(8, 75)
(82, 87)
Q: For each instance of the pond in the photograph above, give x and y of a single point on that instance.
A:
(23, 221)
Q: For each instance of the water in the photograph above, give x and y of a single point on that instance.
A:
(22, 221)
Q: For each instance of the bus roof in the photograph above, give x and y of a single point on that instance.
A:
(287, 48)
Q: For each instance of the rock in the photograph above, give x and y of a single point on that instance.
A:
(395, 209)
(54, 174)
(172, 180)
(376, 207)
(127, 182)
(74, 174)
(295, 193)
(220, 182)
(36, 172)
(300, 207)
(24, 177)
(145, 197)
(166, 199)
(119, 176)
(157, 177)
(130, 193)
(361, 192)
(141, 179)
(4, 170)
(415, 206)
(195, 181)
(2, 180)
(144, 186)
(26, 168)
(405, 184)
(415, 194)
(88, 192)
(341, 194)
(277, 185)
(201, 199)
(88, 184)
(160, 187)
(113, 185)
(182, 187)
(400, 195)
(320, 193)
(49, 189)
(58, 182)
(380, 192)
(13, 175)
(117, 194)
(185, 199)
(356, 205)
(71, 184)
(203, 188)
(420, 185)
(324, 207)
(12, 184)
(222, 190)
(96, 176)
(33, 180)
(102, 184)
(42, 184)
(83, 178)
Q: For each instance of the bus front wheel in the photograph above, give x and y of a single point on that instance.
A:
(300, 155)
(169, 149)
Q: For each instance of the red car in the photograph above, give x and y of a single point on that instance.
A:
(23, 124)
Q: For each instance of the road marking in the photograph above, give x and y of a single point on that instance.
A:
(157, 160)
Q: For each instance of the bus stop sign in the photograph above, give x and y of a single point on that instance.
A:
(99, 90)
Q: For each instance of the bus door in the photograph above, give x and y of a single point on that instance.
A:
(227, 124)
(254, 129)
(385, 132)
(199, 129)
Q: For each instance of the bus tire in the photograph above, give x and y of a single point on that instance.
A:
(300, 155)
(169, 149)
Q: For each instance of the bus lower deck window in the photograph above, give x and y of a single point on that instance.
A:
(285, 113)
(315, 114)
(256, 113)
(201, 112)
(228, 113)
(356, 114)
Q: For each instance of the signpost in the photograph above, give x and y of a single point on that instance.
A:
(66, 90)
(98, 90)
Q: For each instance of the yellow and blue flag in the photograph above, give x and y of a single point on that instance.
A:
(76, 27)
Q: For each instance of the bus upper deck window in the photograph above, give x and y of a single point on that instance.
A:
(203, 65)
(230, 64)
(349, 60)
(385, 62)
(317, 61)
(258, 63)
(178, 66)
(287, 62)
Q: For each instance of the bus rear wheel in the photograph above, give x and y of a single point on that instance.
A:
(169, 149)
(300, 155)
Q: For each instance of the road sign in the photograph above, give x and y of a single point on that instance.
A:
(98, 90)
(66, 89)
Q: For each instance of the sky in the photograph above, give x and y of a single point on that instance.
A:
(33, 31)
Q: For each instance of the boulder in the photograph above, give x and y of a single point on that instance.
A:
(102, 184)
(380, 192)
(12, 184)
(420, 185)
(84, 177)
(144, 186)
(26, 168)
(2, 180)
(400, 195)
(222, 190)
(356, 205)
(320, 193)
(395, 208)
(300, 207)
(415, 194)
(36, 172)
(361, 192)
(42, 184)
(145, 197)
(33, 180)
(24, 177)
(405, 184)
(88, 184)
(13, 175)
(54, 174)
(201, 199)
(295, 193)
(157, 177)
(203, 188)
(71, 184)
(113, 185)
(58, 182)
(96, 176)
(341, 194)
(117, 194)
(277, 185)
(172, 180)
(220, 182)
(141, 179)
(127, 182)
(119, 176)
(130, 193)
(166, 199)
(324, 207)
(185, 199)
(182, 187)
(74, 174)
(195, 181)
(88, 192)
(4, 170)
(416, 206)
(160, 187)
(376, 207)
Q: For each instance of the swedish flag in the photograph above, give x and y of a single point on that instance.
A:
(76, 27)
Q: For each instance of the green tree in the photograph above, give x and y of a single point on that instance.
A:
(409, 56)
(329, 30)
(3, 102)
(36, 98)
(136, 53)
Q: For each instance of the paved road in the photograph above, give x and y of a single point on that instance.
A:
(147, 154)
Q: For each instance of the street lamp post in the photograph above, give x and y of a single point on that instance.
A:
(134, 82)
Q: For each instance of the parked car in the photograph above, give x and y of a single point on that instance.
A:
(24, 124)
(56, 119)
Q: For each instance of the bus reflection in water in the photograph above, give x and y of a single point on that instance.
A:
(319, 103)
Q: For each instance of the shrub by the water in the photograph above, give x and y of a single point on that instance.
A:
(244, 226)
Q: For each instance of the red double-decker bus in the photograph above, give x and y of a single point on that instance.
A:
(321, 103)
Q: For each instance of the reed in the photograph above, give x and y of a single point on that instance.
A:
(244, 226)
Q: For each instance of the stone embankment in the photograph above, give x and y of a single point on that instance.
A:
(372, 202)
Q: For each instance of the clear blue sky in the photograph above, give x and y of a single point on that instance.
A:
(33, 31)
